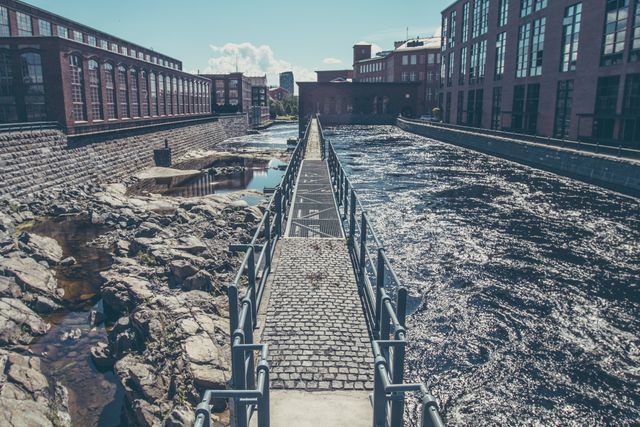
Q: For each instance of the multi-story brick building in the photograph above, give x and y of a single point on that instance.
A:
(287, 81)
(55, 69)
(410, 61)
(278, 93)
(562, 68)
(237, 93)
(326, 76)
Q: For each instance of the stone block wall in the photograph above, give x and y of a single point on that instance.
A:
(616, 173)
(38, 160)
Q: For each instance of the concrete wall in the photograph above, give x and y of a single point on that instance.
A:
(38, 160)
(619, 174)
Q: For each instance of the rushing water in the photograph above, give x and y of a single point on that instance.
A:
(530, 281)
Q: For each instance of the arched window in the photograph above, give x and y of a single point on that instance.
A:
(174, 95)
(153, 94)
(77, 88)
(161, 99)
(135, 95)
(144, 93)
(110, 91)
(180, 104)
(95, 90)
(8, 111)
(33, 81)
(123, 91)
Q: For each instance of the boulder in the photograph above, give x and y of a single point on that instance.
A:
(9, 288)
(123, 293)
(180, 416)
(31, 275)
(44, 305)
(201, 281)
(181, 269)
(101, 356)
(18, 323)
(43, 248)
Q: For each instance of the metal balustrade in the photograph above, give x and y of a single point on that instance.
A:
(249, 385)
(386, 321)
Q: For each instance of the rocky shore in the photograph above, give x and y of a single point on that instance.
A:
(164, 298)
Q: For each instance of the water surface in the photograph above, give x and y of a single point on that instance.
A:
(530, 281)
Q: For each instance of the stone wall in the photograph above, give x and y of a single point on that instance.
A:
(39, 160)
(607, 171)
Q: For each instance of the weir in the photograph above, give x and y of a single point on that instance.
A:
(316, 339)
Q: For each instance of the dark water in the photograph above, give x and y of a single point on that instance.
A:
(530, 281)
(95, 398)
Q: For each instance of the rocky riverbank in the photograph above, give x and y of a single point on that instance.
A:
(164, 298)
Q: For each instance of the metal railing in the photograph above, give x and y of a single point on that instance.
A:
(249, 385)
(596, 147)
(377, 282)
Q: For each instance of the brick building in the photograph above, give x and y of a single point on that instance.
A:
(55, 69)
(410, 61)
(356, 102)
(278, 93)
(563, 68)
(237, 93)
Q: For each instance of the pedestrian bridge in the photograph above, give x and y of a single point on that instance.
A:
(316, 338)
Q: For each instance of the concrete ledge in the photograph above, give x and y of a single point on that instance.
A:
(618, 174)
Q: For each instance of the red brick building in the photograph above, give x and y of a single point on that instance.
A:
(410, 61)
(237, 93)
(55, 69)
(278, 93)
(562, 68)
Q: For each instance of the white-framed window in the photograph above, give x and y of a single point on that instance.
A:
(414, 59)
(104, 44)
(140, 55)
(124, 51)
(114, 47)
(62, 32)
(77, 36)
(405, 59)
(132, 52)
(44, 27)
(24, 24)
(5, 29)
(91, 40)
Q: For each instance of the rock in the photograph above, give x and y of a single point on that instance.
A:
(181, 416)
(201, 281)
(97, 218)
(18, 323)
(181, 269)
(71, 335)
(123, 293)
(43, 247)
(141, 378)
(207, 363)
(44, 305)
(122, 247)
(9, 288)
(6, 223)
(239, 203)
(31, 275)
(101, 356)
(96, 315)
(29, 379)
(148, 229)
(68, 261)
(191, 244)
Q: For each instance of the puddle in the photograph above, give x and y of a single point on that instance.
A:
(237, 174)
(95, 398)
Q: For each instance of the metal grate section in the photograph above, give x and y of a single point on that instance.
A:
(314, 212)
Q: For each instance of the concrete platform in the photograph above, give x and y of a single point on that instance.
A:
(315, 409)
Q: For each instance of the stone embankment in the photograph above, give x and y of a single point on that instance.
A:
(164, 298)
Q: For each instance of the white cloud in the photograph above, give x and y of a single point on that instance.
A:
(331, 61)
(253, 61)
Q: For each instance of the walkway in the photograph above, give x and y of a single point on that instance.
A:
(320, 351)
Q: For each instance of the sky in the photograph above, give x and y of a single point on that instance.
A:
(263, 36)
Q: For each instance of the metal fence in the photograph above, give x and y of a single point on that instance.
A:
(249, 385)
(386, 320)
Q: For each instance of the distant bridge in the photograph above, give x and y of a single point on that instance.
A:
(315, 313)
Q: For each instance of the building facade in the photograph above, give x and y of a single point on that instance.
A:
(54, 69)
(326, 76)
(287, 81)
(237, 93)
(415, 60)
(278, 93)
(564, 68)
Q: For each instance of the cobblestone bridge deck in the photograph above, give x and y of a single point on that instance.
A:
(321, 359)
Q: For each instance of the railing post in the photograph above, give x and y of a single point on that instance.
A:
(267, 236)
(232, 293)
(363, 246)
(352, 219)
(278, 218)
(402, 306)
(346, 196)
(263, 403)
(239, 377)
(251, 273)
(379, 288)
(379, 398)
(250, 380)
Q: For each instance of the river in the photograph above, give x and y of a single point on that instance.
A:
(529, 280)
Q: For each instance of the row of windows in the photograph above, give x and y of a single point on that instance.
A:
(526, 102)
(45, 28)
(129, 94)
(32, 80)
(373, 79)
(372, 67)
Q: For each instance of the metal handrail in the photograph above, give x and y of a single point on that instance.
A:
(385, 320)
(249, 390)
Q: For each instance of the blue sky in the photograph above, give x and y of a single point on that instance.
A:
(266, 36)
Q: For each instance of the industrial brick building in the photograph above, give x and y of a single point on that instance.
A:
(416, 60)
(55, 69)
(326, 76)
(237, 93)
(563, 68)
